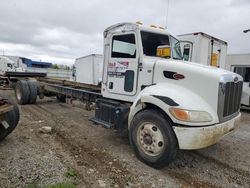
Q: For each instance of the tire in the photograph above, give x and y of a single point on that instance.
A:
(153, 139)
(12, 118)
(3, 132)
(33, 92)
(22, 92)
(61, 98)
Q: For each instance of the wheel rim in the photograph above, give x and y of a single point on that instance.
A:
(150, 139)
(18, 94)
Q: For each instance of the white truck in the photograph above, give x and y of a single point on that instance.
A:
(88, 69)
(8, 65)
(204, 49)
(240, 64)
(166, 104)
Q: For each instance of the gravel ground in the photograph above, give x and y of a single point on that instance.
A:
(91, 156)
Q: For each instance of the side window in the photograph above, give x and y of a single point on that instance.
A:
(244, 72)
(123, 46)
(151, 41)
(186, 52)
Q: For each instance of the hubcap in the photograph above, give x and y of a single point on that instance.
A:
(150, 139)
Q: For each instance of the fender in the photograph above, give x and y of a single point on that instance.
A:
(166, 95)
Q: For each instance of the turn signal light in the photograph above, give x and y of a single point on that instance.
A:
(180, 114)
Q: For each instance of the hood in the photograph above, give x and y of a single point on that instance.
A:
(199, 79)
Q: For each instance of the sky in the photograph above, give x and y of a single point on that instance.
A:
(59, 31)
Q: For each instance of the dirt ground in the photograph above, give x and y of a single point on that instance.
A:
(89, 155)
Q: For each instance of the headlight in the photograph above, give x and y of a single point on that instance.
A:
(190, 115)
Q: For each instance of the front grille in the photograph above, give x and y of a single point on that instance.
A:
(229, 99)
(232, 98)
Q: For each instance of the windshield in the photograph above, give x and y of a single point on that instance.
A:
(151, 41)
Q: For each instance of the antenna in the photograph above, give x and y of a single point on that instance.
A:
(167, 14)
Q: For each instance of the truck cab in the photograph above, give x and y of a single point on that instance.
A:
(165, 103)
(129, 58)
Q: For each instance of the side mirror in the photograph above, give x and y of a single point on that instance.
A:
(9, 65)
(163, 51)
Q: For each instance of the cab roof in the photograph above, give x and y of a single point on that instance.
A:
(127, 26)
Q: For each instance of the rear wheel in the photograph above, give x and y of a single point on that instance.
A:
(11, 118)
(33, 92)
(3, 132)
(22, 92)
(153, 139)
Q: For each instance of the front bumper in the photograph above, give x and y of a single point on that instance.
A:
(200, 137)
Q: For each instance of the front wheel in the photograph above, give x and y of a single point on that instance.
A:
(153, 138)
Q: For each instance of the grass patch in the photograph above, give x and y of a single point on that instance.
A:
(33, 185)
(71, 173)
(58, 185)
(61, 185)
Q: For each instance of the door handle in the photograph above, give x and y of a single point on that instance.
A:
(111, 84)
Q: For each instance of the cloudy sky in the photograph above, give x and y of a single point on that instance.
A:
(61, 30)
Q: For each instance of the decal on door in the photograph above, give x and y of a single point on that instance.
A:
(118, 68)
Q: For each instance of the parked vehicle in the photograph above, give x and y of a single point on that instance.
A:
(8, 65)
(15, 67)
(240, 64)
(204, 49)
(88, 69)
(166, 104)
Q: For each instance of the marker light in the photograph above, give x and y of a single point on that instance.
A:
(190, 115)
(153, 26)
(138, 22)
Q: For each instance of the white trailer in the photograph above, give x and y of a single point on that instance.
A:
(240, 63)
(204, 49)
(88, 69)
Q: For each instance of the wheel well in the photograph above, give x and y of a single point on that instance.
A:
(152, 106)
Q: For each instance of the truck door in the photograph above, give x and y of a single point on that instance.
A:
(123, 64)
(187, 48)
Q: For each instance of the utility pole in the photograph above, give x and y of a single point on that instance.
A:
(167, 15)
